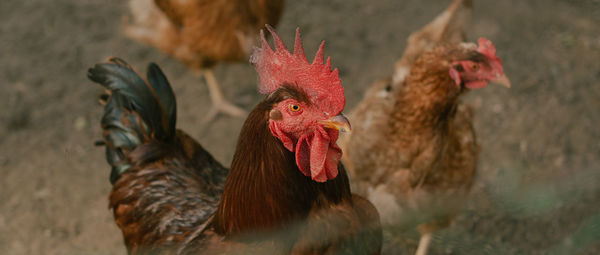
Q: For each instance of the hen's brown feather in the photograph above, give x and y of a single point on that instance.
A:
(447, 27)
(413, 149)
(203, 32)
(414, 152)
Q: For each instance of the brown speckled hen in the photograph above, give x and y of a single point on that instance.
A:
(201, 33)
(285, 192)
(413, 150)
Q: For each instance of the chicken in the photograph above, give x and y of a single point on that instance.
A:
(285, 193)
(201, 33)
(413, 151)
(447, 27)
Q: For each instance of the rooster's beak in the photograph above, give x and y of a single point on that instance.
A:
(502, 80)
(339, 122)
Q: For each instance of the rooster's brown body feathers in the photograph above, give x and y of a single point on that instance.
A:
(170, 195)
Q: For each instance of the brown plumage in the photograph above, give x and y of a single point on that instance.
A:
(413, 150)
(201, 33)
(171, 197)
(447, 27)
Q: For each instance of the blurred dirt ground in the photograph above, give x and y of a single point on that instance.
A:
(538, 189)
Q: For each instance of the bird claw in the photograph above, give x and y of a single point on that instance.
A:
(219, 104)
(226, 108)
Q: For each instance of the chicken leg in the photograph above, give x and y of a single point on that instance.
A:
(424, 243)
(219, 104)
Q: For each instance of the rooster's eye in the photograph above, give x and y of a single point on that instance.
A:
(295, 107)
(474, 67)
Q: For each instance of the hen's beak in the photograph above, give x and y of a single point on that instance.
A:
(502, 80)
(338, 122)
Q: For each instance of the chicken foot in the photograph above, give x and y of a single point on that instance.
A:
(219, 103)
(424, 243)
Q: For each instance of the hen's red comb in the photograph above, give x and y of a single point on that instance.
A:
(279, 67)
(487, 48)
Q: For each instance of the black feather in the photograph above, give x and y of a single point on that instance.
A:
(163, 90)
(136, 112)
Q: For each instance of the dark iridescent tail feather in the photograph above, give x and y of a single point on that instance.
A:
(136, 112)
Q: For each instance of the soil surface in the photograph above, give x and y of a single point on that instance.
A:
(538, 188)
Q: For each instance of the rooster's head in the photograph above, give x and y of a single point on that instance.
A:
(308, 116)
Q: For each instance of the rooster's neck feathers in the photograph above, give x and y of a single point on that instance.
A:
(265, 189)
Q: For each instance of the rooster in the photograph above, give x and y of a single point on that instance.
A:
(413, 150)
(285, 191)
(201, 33)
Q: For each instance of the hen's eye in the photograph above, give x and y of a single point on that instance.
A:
(474, 67)
(294, 107)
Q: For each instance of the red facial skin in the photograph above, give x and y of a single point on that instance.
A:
(299, 130)
(476, 75)
(317, 154)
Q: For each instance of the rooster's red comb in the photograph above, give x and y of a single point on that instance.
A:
(279, 67)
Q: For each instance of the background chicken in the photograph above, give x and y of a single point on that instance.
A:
(413, 150)
(284, 184)
(201, 33)
(536, 189)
